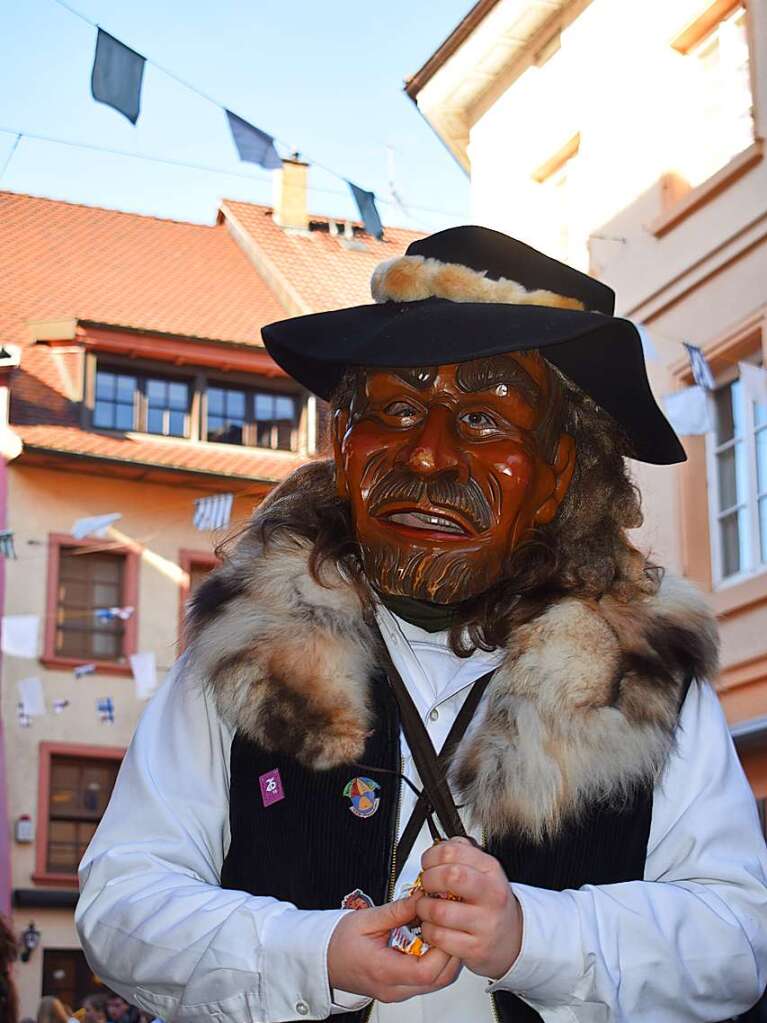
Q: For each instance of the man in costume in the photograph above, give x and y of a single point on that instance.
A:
(443, 632)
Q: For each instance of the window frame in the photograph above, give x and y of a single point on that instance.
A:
(131, 553)
(46, 752)
(757, 566)
(143, 375)
(187, 559)
(250, 425)
(198, 380)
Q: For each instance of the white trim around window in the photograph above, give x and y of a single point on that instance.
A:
(736, 469)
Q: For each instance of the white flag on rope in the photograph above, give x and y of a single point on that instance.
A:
(689, 411)
(213, 512)
(754, 381)
(144, 668)
(31, 696)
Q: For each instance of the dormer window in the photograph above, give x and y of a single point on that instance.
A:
(195, 407)
(257, 418)
(126, 401)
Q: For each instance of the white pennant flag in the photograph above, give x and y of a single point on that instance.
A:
(144, 668)
(648, 345)
(95, 525)
(213, 512)
(20, 634)
(689, 411)
(754, 381)
(32, 697)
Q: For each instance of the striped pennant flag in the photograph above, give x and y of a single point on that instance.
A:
(701, 371)
(213, 512)
(105, 709)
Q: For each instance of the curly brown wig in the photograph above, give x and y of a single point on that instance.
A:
(584, 552)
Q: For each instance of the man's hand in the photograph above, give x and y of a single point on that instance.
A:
(360, 962)
(485, 929)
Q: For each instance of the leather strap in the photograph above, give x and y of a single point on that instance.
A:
(457, 732)
(432, 769)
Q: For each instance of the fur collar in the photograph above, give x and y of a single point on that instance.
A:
(582, 709)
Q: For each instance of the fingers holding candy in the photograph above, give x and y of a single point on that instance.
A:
(482, 924)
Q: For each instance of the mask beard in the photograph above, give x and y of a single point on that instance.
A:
(440, 577)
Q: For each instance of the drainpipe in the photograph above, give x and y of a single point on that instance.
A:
(10, 448)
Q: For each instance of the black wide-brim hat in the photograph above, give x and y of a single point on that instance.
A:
(469, 292)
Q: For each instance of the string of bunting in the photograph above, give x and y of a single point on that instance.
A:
(117, 80)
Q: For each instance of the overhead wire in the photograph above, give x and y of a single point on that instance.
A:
(395, 202)
(183, 163)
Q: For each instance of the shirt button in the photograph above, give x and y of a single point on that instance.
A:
(434, 714)
(302, 1008)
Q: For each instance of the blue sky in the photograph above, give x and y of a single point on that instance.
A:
(324, 77)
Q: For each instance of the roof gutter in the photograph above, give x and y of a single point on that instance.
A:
(30, 448)
(748, 734)
(445, 51)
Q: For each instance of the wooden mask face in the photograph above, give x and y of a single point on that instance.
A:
(444, 472)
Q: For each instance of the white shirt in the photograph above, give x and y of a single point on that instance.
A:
(688, 943)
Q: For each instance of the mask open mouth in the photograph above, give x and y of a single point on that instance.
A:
(431, 522)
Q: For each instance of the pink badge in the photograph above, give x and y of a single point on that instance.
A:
(271, 787)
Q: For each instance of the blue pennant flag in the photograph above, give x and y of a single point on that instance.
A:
(253, 145)
(366, 204)
(117, 75)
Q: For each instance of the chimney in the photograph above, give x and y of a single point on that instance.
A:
(290, 187)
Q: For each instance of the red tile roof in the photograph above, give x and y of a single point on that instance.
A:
(216, 459)
(61, 261)
(325, 271)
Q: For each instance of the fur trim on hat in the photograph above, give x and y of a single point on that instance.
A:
(414, 278)
(583, 709)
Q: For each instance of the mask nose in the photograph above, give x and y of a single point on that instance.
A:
(436, 448)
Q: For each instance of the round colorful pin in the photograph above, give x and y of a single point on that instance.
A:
(362, 793)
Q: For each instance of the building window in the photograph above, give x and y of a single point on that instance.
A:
(226, 415)
(151, 404)
(79, 792)
(716, 46)
(115, 407)
(89, 585)
(75, 785)
(558, 178)
(86, 582)
(67, 975)
(261, 419)
(196, 566)
(275, 416)
(739, 483)
(167, 407)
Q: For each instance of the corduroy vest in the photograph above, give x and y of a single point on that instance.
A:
(309, 849)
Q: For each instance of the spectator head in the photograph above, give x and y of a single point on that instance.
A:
(116, 1007)
(95, 1008)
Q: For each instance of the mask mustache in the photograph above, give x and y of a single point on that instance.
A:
(443, 491)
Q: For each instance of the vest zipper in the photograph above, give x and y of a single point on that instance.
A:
(393, 872)
(493, 1006)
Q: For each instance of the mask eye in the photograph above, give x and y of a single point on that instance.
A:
(480, 424)
(403, 411)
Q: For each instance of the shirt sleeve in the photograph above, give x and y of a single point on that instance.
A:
(687, 943)
(153, 920)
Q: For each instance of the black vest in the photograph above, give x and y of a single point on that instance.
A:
(309, 849)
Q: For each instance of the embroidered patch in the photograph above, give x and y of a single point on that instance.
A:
(357, 900)
(362, 793)
(271, 787)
